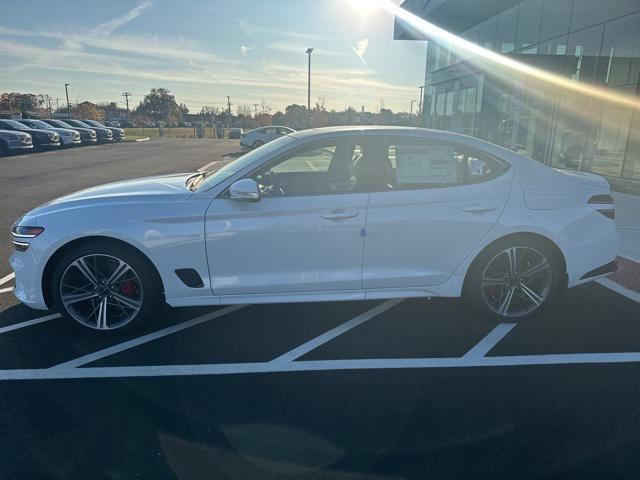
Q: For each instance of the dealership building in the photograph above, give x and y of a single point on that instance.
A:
(595, 42)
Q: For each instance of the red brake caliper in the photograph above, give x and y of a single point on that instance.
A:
(128, 288)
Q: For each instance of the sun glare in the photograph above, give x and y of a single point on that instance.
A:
(364, 8)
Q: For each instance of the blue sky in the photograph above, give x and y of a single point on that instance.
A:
(204, 50)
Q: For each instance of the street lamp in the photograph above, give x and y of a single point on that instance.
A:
(309, 50)
(411, 110)
(66, 90)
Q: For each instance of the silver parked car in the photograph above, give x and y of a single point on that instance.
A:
(261, 135)
(68, 137)
(12, 141)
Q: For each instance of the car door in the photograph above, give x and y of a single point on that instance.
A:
(303, 235)
(270, 133)
(434, 203)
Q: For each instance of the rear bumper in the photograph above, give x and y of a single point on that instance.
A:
(591, 254)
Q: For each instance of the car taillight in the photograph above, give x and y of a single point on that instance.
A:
(604, 204)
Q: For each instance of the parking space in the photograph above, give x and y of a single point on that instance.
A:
(416, 388)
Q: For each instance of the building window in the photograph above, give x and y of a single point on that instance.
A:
(590, 12)
(621, 48)
(556, 17)
(488, 33)
(506, 33)
(529, 17)
(585, 45)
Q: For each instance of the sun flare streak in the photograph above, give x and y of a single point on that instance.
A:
(443, 36)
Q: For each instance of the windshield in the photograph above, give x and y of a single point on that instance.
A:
(37, 124)
(247, 159)
(14, 124)
(93, 123)
(60, 123)
(79, 123)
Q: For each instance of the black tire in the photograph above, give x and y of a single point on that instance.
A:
(151, 289)
(479, 299)
(257, 143)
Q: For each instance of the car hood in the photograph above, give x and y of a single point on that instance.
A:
(140, 190)
(31, 131)
(585, 177)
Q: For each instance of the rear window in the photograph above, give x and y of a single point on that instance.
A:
(420, 164)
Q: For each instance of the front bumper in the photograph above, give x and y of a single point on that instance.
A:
(28, 288)
(20, 148)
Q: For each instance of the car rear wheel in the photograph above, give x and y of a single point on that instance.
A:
(513, 280)
(104, 288)
(257, 143)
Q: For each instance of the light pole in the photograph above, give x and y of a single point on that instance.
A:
(411, 109)
(420, 101)
(309, 50)
(66, 90)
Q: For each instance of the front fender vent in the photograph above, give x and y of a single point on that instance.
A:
(190, 277)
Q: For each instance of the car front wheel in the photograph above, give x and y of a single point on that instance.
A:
(104, 288)
(513, 280)
(257, 143)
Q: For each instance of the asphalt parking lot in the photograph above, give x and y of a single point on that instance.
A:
(355, 390)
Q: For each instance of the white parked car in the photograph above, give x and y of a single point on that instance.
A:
(259, 136)
(322, 215)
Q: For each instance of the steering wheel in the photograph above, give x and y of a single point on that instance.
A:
(272, 186)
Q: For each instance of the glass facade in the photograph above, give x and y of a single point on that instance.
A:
(588, 41)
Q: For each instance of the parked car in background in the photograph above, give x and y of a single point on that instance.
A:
(127, 124)
(118, 133)
(104, 134)
(236, 133)
(259, 136)
(88, 136)
(112, 124)
(12, 141)
(68, 137)
(42, 138)
(516, 231)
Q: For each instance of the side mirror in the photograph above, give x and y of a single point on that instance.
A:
(244, 190)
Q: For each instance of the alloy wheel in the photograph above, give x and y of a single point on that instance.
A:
(516, 281)
(101, 291)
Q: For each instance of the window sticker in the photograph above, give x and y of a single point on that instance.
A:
(476, 167)
(426, 165)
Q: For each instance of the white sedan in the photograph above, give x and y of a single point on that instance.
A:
(322, 215)
(259, 136)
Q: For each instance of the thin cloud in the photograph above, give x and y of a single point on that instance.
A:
(244, 49)
(251, 29)
(107, 28)
(361, 48)
(301, 48)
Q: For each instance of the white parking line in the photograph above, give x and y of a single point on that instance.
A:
(77, 362)
(317, 366)
(616, 287)
(485, 345)
(28, 323)
(6, 278)
(5, 290)
(333, 333)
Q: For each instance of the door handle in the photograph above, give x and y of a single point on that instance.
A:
(479, 208)
(340, 214)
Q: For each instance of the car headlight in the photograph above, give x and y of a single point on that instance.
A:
(53, 136)
(20, 233)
